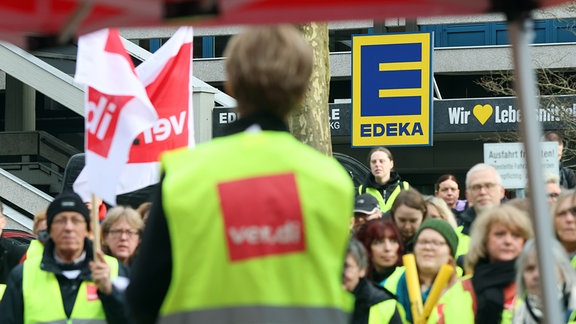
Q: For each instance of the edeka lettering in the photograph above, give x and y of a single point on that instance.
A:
(391, 129)
(288, 233)
(162, 130)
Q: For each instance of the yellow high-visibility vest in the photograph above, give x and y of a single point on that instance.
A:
(258, 226)
(43, 299)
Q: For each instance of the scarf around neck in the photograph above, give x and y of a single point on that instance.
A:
(489, 281)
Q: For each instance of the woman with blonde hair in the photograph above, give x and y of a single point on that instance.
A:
(438, 208)
(489, 294)
(121, 230)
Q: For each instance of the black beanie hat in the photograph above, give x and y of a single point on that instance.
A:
(441, 226)
(68, 201)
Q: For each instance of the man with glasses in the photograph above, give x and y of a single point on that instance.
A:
(484, 190)
(67, 283)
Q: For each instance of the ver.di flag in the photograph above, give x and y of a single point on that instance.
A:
(167, 77)
(117, 110)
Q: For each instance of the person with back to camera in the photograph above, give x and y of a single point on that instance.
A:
(261, 240)
(382, 182)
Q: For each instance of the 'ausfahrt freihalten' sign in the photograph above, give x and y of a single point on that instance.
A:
(510, 161)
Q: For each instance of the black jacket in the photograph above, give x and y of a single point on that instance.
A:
(12, 306)
(368, 294)
(11, 252)
(567, 177)
(466, 218)
(384, 189)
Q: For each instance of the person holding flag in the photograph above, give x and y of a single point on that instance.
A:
(245, 228)
(68, 282)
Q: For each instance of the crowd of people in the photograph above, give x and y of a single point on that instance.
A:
(281, 236)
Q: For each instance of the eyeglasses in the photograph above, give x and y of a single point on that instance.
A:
(479, 186)
(117, 233)
(565, 212)
(553, 195)
(62, 221)
(433, 243)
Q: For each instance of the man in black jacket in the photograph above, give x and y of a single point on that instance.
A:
(68, 282)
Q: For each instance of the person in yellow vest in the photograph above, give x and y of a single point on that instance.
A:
(383, 182)
(488, 295)
(529, 309)
(251, 227)
(564, 220)
(374, 304)
(40, 230)
(65, 284)
(435, 245)
(383, 244)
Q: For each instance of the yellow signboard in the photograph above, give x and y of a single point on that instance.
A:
(392, 90)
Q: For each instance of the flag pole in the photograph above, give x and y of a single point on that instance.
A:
(95, 225)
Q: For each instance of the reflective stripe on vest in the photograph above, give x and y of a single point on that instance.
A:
(258, 314)
(263, 233)
(382, 312)
(573, 261)
(385, 205)
(48, 307)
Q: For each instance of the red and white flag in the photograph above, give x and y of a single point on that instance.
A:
(167, 79)
(167, 76)
(117, 110)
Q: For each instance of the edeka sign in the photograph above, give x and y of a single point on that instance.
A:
(391, 90)
(497, 114)
(339, 115)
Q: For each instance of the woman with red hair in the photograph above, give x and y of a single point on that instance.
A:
(383, 243)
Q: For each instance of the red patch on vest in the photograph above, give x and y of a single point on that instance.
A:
(262, 216)
(91, 292)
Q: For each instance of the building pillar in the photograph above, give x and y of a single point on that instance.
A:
(20, 114)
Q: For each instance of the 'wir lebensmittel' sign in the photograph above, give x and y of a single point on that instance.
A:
(391, 90)
(497, 114)
(476, 115)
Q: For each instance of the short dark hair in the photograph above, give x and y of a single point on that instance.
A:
(553, 136)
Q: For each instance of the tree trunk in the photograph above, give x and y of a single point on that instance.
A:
(311, 124)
